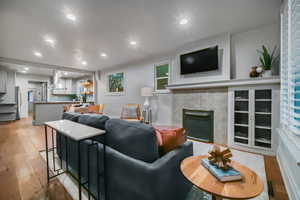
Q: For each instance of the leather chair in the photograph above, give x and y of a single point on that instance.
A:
(98, 108)
(131, 112)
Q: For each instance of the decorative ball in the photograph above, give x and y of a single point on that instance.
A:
(259, 69)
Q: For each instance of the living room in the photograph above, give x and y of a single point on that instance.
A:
(127, 100)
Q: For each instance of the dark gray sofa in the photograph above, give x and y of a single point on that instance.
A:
(135, 170)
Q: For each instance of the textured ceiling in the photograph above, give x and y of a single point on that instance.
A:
(108, 26)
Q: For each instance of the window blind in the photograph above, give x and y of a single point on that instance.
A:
(290, 66)
(295, 65)
(284, 68)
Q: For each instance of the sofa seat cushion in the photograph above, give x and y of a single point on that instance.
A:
(72, 116)
(169, 138)
(133, 139)
(94, 120)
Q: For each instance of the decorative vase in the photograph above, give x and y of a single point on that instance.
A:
(267, 73)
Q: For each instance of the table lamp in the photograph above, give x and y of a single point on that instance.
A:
(147, 92)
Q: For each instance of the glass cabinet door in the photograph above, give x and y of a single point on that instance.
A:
(241, 116)
(263, 118)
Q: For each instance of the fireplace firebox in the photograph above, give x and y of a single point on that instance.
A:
(199, 124)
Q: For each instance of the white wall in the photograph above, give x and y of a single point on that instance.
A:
(136, 77)
(223, 73)
(244, 48)
(22, 81)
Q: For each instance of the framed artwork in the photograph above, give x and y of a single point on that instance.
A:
(115, 85)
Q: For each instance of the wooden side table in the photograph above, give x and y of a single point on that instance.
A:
(250, 187)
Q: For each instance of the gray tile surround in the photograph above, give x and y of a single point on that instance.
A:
(204, 99)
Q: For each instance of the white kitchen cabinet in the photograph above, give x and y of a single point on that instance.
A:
(65, 88)
(254, 118)
(3, 81)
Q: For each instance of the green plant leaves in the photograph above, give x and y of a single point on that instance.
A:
(266, 59)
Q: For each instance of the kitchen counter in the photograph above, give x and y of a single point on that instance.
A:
(49, 111)
(57, 102)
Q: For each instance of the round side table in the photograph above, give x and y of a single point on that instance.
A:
(249, 187)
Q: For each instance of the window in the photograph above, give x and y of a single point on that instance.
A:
(290, 67)
(161, 76)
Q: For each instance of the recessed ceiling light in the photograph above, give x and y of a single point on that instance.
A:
(50, 41)
(71, 17)
(103, 55)
(38, 54)
(23, 71)
(183, 21)
(26, 68)
(65, 73)
(83, 62)
(133, 43)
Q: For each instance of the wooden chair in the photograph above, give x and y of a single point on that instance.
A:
(131, 112)
(98, 108)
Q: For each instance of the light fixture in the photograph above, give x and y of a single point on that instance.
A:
(38, 54)
(83, 62)
(133, 43)
(26, 68)
(71, 17)
(65, 73)
(49, 40)
(183, 21)
(24, 71)
(103, 55)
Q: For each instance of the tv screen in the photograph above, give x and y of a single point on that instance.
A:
(199, 61)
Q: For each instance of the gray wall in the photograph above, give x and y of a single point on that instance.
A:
(167, 106)
(207, 99)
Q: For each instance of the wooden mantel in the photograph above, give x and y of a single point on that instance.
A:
(227, 83)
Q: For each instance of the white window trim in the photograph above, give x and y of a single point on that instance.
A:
(168, 62)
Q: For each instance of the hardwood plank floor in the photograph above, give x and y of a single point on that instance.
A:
(23, 171)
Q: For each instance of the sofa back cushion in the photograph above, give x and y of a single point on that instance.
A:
(72, 116)
(94, 120)
(133, 139)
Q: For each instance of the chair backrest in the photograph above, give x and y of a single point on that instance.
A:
(98, 108)
(131, 111)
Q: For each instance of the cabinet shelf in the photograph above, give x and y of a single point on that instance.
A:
(263, 140)
(264, 127)
(241, 111)
(240, 137)
(243, 125)
(241, 99)
(263, 99)
(263, 113)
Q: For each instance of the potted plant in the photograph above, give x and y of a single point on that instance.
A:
(267, 60)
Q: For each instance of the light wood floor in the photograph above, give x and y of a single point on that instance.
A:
(23, 172)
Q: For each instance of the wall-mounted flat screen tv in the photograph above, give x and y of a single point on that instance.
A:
(199, 61)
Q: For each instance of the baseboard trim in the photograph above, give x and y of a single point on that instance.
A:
(288, 178)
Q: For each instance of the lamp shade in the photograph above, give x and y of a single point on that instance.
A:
(147, 92)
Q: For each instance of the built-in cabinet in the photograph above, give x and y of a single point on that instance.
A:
(253, 118)
(65, 87)
(3, 81)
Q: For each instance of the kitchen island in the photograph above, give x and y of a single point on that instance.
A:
(49, 111)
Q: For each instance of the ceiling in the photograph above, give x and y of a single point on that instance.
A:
(25, 69)
(109, 25)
